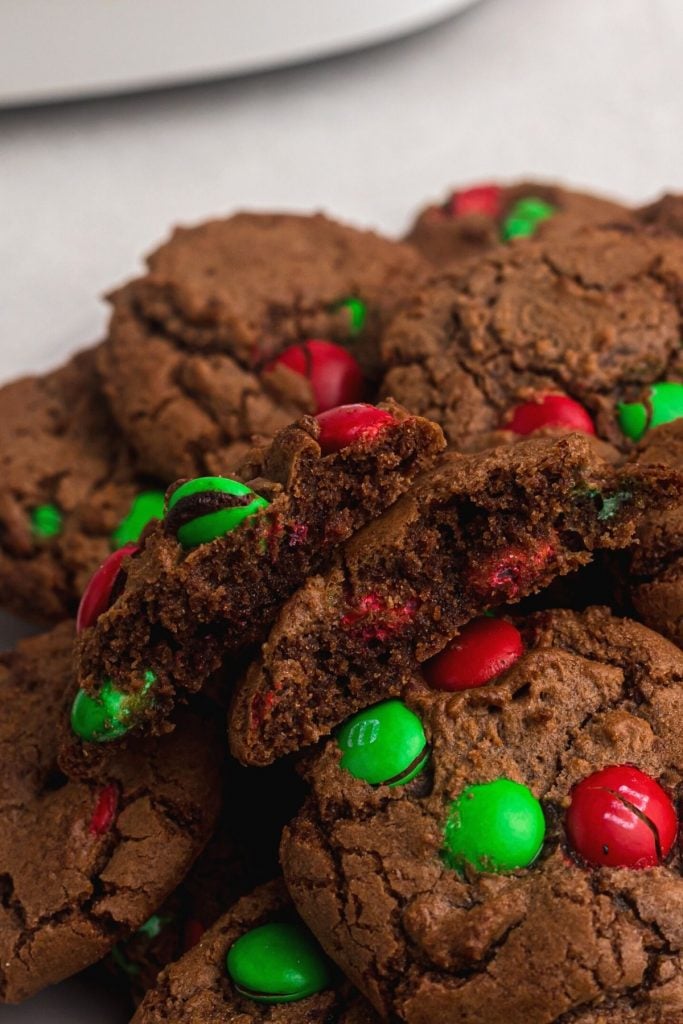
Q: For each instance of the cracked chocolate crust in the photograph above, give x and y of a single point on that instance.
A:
(198, 989)
(654, 570)
(182, 613)
(187, 342)
(446, 240)
(84, 862)
(554, 943)
(59, 446)
(472, 533)
(597, 316)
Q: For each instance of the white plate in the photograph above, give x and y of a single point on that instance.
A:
(59, 49)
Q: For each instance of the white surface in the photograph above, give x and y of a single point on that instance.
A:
(588, 90)
(95, 46)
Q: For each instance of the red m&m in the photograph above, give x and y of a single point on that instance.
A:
(104, 815)
(549, 411)
(335, 376)
(621, 817)
(483, 649)
(484, 200)
(97, 595)
(348, 423)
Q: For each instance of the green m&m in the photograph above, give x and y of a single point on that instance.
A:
(663, 404)
(208, 507)
(524, 218)
(494, 827)
(111, 713)
(145, 507)
(357, 312)
(278, 963)
(384, 745)
(46, 522)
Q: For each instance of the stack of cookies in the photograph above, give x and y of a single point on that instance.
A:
(363, 566)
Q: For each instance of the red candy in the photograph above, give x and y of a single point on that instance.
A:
(348, 423)
(484, 649)
(373, 619)
(484, 200)
(104, 815)
(507, 573)
(620, 817)
(97, 595)
(335, 375)
(550, 411)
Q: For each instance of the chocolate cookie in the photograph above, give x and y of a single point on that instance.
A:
(472, 533)
(258, 963)
(474, 220)
(70, 492)
(241, 325)
(655, 567)
(83, 863)
(523, 868)
(665, 213)
(580, 333)
(211, 578)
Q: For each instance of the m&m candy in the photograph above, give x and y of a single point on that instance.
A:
(480, 200)
(346, 424)
(110, 714)
(483, 649)
(357, 313)
(663, 404)
(334, 374)
(524, 218)
(620, 817)
(549, 411)
(146, 506)
(494, 827)
(98, 593)
(46, 522)
(384, 744)
(209, 507)
(278, 963)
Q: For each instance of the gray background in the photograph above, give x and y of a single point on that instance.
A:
(585, 90)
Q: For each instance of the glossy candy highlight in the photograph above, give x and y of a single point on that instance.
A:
(334, 374)
(549, 411)
(97, 595)
(347, 424)
(483, 649)
(209, 507)
(384, 744)
(278, 963)
(495, 827)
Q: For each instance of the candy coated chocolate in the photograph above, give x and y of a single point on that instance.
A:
(384, 745)
(550, 411)
(208, 507)
(278, 963)
(109, 715)
(346, 424)
(483, 649)
(97, 595)
(334, 374)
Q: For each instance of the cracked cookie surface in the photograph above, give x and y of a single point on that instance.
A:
(188, 342)
(84, 862)
(556, 941)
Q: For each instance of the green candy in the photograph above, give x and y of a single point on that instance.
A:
(524, 218)
(194, 511)
(494, 827)
(46, 522)
(153, 926)
(358, 314)
(278, 963)
(110, 714)
(123, 963)
(384, 745)
(665, 402)
(145, 507)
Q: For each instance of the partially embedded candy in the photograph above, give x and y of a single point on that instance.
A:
(481, 200)
(111, 714)
(209, 507)
(483, 649)
(278, 963)
(146, 507)
(663, 404)
(524, 218)
(97, 595)
(549, 411)
(104, 814)
(357, 313)
(335, 376)
(494, 827)
(347, 424)
(46, 522)
(384, 745)
(621, 817)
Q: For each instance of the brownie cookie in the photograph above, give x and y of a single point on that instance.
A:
(70, 493)
(582, 333)
(499, 847)
(211, 578)
(258, 963)
(473, 533)
(655, 568)
(666, 213)
(83, 863)
(241, 325)
(474, 220)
